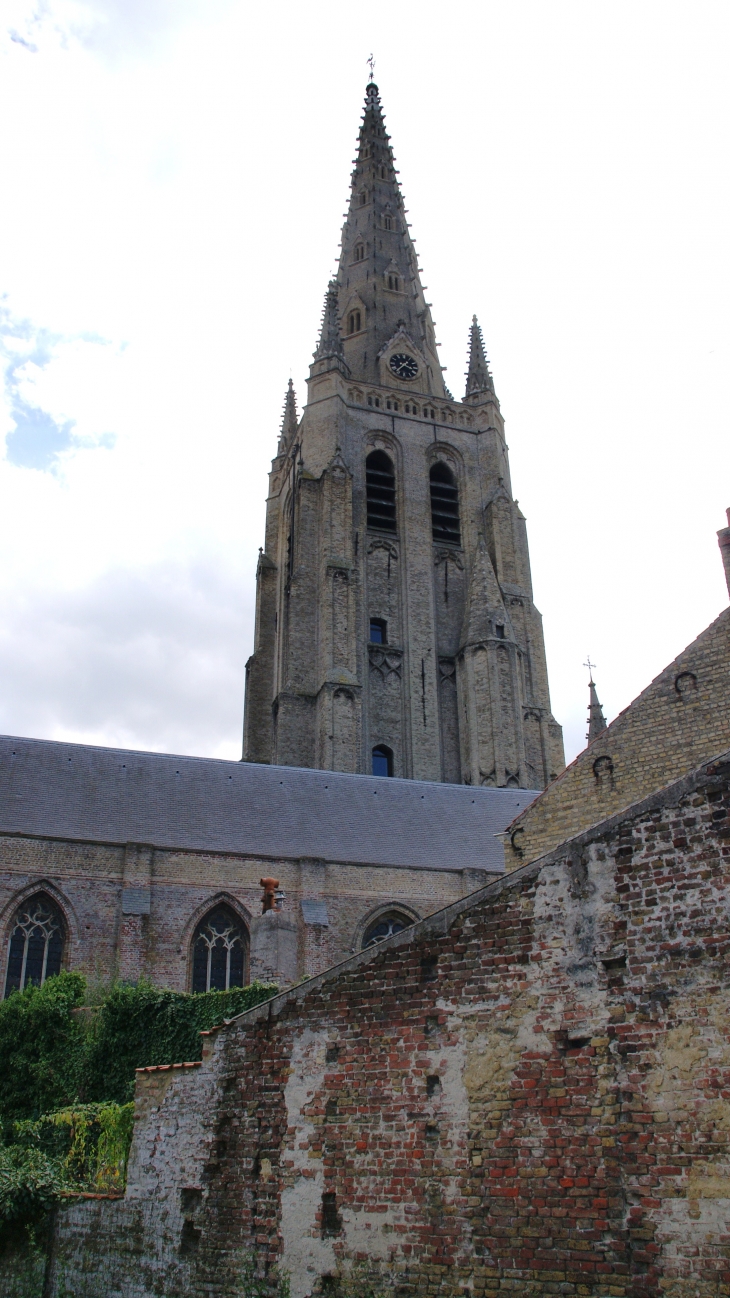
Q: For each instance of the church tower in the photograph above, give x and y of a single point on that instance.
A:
(395, 628)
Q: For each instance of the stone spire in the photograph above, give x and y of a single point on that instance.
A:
(289, 421)
(330, 341)
(379, 288)
(478, 378)
(596, 719)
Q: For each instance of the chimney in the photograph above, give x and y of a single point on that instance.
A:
(723, 540)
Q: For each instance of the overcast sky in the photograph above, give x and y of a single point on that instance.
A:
(174, 176)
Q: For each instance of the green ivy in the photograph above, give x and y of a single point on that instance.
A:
(142, 1025)
(53, 1059)
(67, 1081)
(42, 1047)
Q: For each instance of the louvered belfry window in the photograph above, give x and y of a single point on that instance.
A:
(380, 486)
(444, 505)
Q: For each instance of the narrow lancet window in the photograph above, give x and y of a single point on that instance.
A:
(380, 488)
(444, 505)
(382, 760)
(353, 322)
(219, 952)
(36, 944)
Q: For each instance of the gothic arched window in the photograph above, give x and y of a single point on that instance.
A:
(382, 758)
(354, 322)
(219, 951)
(385, 926)
(380, 488)
(444, 505)
(37, 938)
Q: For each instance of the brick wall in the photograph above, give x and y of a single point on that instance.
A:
(680, 720)
(527, 1093)
(88, 882)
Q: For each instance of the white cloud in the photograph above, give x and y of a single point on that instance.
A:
(176, 176)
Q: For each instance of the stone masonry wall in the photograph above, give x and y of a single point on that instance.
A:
(680, 720)
(88, 882)
(527, 1093)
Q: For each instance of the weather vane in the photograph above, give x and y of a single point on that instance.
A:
(371, 65)
(589, 665)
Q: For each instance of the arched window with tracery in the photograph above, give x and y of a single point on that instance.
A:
(219, 951)
(393, 921)
(380, 491)
(444, 504)
(37, 937)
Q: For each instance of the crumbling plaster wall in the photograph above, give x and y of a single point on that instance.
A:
(527, 1093)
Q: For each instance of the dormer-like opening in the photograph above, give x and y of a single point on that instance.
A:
(354, 322)
(363, 197)
(382, 172)
(444, 504)
(394, 282)
(388, 223)
(380, 491)
(359, 252)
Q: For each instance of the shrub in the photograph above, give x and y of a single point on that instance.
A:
(30, 1183)
(90, 1143)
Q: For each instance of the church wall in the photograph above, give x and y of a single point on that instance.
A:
(527, 1093)
(90, 882)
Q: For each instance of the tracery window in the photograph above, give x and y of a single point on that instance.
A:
(353, 322)
(219, 951)
(380, 491)
(444, 505)
(359, 252)
(36, 944)
(385, 926)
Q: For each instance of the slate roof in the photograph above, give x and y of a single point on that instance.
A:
(113, 795)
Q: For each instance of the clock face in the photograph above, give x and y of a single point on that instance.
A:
(403, 365)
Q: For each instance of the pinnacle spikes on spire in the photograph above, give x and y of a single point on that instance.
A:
(289, 420)
(330, 341)
(596, 719)
(478, 379)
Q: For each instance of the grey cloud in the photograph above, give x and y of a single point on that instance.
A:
(151, 659)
